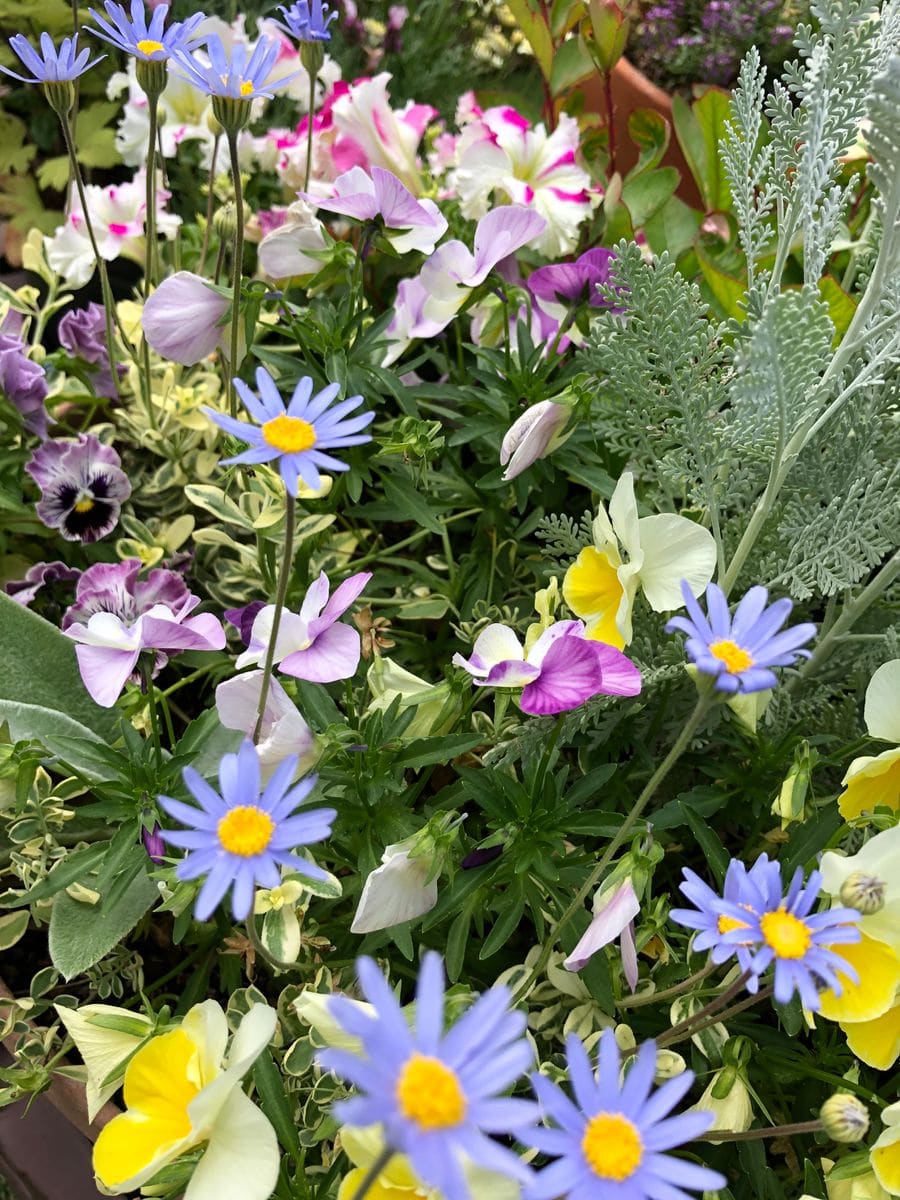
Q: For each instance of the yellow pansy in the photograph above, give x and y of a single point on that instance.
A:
(878, 968)
(885, 1155)
(659, 551)
(180, 1091)
(106, 1037)
(874, 780)
(876, 1042)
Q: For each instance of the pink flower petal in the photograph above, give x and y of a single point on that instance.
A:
(614, 917)
(333, 655)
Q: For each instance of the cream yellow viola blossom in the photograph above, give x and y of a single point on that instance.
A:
(859, 1187)
(874, 780)
(398, 1181)
(878, 971)
(181, 1090)
(105, 1037)
(388, 681)
(652, 554)
(885, 1154)
(870, 882)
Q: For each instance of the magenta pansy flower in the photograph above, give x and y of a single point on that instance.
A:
(116, 617)
(313, 644)
(559, 672)
(410, 224)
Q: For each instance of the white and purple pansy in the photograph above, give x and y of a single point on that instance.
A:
(559, 672)
(82, 487)
(409, 224)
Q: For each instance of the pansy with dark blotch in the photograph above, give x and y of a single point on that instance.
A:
(82, 487)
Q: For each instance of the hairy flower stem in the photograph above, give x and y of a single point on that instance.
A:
(676, 989)
(754, 1135)
(106, 291)
(313, 76)
(371, 1176)
(722, 1000)
(237, 267)
(150, 264)
(713, 1015)
(704, 701)
(287, 562)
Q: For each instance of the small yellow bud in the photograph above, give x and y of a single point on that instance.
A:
(864, 892)
(845, 1118)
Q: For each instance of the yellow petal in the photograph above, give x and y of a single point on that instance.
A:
(870, 783)
(131, 1143)
(885, 1159)
(349, 1189)
(593, 591)
(878, 969)
(876, 1042)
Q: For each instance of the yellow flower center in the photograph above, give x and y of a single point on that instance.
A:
(246, 88)
(788, 936)
(430, 1094)
(85, 505)
(729, 924)
(148, 46)
(612, 1146)
(290, 435)
(735, 657)
(245, 830)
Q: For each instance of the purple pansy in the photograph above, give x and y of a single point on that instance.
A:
(558, 673)
(436, 1095)
(410, 224)
(560, 286)
(242, 839)
(116, 616)
(312, 644)
(242, 618)
(39, 576)
(297, 433)
(611, 1141)
(24, 383)
(82, 487)
(740, 651)
(82, 333)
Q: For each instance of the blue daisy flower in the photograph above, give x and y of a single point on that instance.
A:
(715, 917)
(611, 1141)
(437, 1095)
(239, 77)
(740, 651)
(787, 932)
(296, 433)
(307, 21)
(51, 65)
(149, 41)
(240, 839)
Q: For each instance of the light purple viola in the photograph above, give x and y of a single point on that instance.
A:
(559, 672)
(409, 224)
(313, 644)
(615, 911)
(82, 333)
(24, 383)
(39, 576)
(183, 319)
(533, 435)
(117, 616)
(560, 286)
(82, 487)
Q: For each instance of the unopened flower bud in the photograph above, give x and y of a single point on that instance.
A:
(536, 433)
(154, 844)
(863, 892)
(845, 1118)
(225, 221)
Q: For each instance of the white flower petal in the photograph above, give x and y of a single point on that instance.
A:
(242, 1158)
(623, 513)
(674, 549)
(882, 710)
(395, 892)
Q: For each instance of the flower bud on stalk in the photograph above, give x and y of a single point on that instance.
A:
(864, 892)
(844, 1118)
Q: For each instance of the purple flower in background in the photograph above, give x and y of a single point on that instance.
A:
(535, 434)
(307, 21)
(740, 651)
(154, 844)
(140, 38)
(312, 644)
(183, 319)
(241, 839)
(560, 286)
(296, 433)
(438, 1095)
(238, 77)
(410, 224)
(82, 333)
(51, 65)
(559, 672)
(242, 618)
(116, 616)
(82, 487)
(24, 383)
(610, 1142)
(41, 575)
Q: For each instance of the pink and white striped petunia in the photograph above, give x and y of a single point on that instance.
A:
(312, 644)
(559, 672)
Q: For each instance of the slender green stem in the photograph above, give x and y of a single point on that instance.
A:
(371, 1176)
(287, 562)
(150, 265)
(150, 692)
(108, 306)
(704, 700)
(210, 202)
(313, 76)
(237, 266)
(667, 993)
(754, 1135)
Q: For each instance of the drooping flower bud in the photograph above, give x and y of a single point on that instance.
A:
(536, 433)
(864, 892)
(844, 1117)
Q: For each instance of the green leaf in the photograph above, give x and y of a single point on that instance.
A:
(53, 173)
(214, 501)
(274, 1102)
(571, 64)
(40, 674)
(12, 928)
(411, 504)
(31, 721)
(424, 751)
(727, 290)
(205, 741)
(700, 127)
(15, 152)
(281, 933)
(650, 132)
(841, 305)
(81, 934)
(674, 227)
(645, 194)
(713, 850)
(536, 33)
(72, 869)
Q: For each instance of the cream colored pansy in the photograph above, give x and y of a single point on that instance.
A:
(181, 1090)
(398, 1181)
(860, 1187)
(874, 780)
(546, 602)
(885, 1154)
(873, 872)
(653, 554)
(387, 681)
(403, 888)
(105, 1037)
